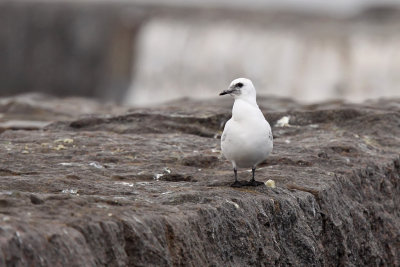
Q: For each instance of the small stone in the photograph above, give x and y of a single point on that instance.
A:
(69, 191)
(64, 140)
(68, 141)
(283, 122)
(60, 147)
(270, 183)
(96, 165)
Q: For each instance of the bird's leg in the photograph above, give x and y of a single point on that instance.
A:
(235, 171)
(253, 182)
(236, 183)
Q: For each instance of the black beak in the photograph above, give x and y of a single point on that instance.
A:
(229, 91)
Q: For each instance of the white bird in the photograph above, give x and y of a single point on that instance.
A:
(247, 138)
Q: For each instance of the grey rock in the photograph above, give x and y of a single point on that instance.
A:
(148, 187)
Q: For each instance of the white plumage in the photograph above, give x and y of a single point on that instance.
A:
(247, 138)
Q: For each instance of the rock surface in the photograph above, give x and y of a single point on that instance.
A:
(148, 187)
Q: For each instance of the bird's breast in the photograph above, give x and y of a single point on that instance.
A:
(246, 143)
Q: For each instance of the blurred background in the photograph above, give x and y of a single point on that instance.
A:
(145, 52)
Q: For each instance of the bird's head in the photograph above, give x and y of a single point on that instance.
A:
(241, 88)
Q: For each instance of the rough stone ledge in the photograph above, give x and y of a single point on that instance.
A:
(136, 188)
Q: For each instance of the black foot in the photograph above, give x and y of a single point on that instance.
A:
(236, 184)
(239, 184)
(254, 183)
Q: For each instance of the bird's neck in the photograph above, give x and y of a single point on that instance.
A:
(251, 99)
(243, 110)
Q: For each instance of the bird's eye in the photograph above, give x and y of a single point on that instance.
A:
(240, 85)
